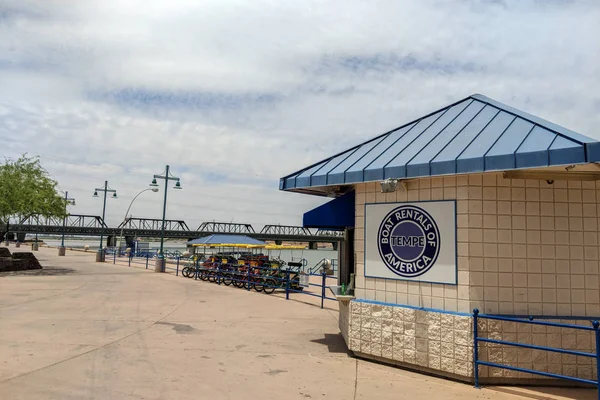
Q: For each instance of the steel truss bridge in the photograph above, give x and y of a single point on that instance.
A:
(93, 225)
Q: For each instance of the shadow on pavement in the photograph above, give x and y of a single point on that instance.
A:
(335, 343)
(46, 271)
(542, 393)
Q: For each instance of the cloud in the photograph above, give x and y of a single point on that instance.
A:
(235, 94)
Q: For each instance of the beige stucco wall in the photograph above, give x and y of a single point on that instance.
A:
(524, 247)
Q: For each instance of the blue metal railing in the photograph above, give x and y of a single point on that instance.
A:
(477, 339)
(286, 279)
(320, 264)
(169, 254)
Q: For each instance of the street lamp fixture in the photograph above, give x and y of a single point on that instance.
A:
(61, 249)
(154, 190)
(160, 259)
(105, 189)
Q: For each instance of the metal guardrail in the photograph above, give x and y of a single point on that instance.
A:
(477, 339)
(271, 278)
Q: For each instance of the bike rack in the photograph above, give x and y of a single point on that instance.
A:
(286, 279)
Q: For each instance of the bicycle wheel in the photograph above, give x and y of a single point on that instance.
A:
(257, 283)
(227, 279)
(185, 272)
(203, 274)
(240, 280)
(212, 276)
(269, 285)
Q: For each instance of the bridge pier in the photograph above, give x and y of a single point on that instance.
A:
(111, 241)
(279, 242)
(21, 237)
(129, 242)
(313, 246)
(335, 245)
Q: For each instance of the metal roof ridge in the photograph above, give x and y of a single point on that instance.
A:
(548, 125)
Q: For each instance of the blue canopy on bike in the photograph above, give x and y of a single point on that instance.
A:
(229, 240)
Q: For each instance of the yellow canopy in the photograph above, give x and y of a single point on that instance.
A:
(243, 246)
(283, 247)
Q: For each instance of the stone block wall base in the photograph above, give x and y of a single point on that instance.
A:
(414, 368)
(35, 247)
(159, 264)
(17, 244)
(100, 256)
(61, 251)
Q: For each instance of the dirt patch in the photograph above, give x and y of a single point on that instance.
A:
(275, 371)
(180, 328)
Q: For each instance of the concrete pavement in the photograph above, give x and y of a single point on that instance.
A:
(82, 330)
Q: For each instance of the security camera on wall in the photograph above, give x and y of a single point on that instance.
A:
(389, 185)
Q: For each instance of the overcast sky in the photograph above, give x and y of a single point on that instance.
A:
(236, 94)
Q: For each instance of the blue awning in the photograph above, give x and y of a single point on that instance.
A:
(336, 214)
(476, 134)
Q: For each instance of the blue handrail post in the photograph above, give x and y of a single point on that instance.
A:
(147, 255)
(196, 270)
(475, 349)
(177, 268)
(287, 284)
(130, 257)
(323, 280)
(115, 257)
(248, 278)
(218, 274)
(595, 324)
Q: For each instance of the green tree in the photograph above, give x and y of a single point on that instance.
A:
(26, 189)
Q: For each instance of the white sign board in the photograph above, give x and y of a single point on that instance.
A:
(304, 279)
(411, 241)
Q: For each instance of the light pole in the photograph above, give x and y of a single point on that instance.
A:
(153, 189)
(105, 189)
(36, 246)
(160, 259)
(61, 249)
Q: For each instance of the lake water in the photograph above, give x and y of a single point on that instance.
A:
(313, 257)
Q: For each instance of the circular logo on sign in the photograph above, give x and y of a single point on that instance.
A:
(408, 241)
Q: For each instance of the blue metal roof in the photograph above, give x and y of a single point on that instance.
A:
(476, 134)
(217, 239)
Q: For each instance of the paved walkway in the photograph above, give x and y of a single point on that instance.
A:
(80, 330)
